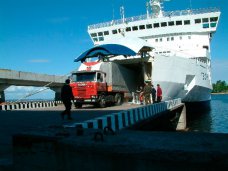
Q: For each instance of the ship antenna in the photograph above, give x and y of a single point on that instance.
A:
(147, 9)
(113, 11)
(190, 1)
(122, 13)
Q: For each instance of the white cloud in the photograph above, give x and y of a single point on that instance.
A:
(28, 92)
(14, 89)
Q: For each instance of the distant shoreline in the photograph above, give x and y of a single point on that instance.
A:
(220, 93)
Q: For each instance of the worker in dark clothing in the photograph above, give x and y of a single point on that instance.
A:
(67, 96)
(146, 92)
(153, 91)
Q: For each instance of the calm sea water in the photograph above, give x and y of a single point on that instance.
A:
(215, 120)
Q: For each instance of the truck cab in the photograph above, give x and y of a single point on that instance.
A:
(88, 87)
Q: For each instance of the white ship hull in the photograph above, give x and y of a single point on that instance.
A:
(188, 79)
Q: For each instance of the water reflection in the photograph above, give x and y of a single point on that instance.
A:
(213, 120)
(199, 121)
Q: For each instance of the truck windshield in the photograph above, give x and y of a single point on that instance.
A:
(81, 77)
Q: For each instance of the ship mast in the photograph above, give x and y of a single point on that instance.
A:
(156, 7)
(122, 13)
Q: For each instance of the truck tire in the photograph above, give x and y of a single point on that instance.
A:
(118, 99)
(102, 102)
(78, 105)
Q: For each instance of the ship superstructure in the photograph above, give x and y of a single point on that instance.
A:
(181, 39)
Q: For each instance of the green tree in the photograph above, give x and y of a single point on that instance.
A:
(220, 87)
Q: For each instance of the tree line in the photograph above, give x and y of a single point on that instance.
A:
(220, 87)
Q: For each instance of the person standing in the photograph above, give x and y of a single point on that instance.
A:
(67, 96)
(153, 91)
(146, 92)
(139, 93)
(159, 93)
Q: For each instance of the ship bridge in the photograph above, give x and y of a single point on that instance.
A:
(11, 77)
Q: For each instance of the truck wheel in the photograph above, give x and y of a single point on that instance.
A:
(102, 102)
(118, 99)
(78, 105)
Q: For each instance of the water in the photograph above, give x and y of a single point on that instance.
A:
(215, 120)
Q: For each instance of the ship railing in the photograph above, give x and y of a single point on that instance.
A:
(144, 17)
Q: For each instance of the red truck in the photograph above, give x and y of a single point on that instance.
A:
(101, 84)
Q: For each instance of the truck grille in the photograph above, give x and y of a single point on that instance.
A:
(81, 93)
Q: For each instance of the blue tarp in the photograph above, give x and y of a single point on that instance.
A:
(106, 50)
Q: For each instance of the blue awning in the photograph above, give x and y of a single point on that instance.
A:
(106, 50)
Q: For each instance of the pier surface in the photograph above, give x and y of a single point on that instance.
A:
(16, 121)
(38, 136)
(126, 150)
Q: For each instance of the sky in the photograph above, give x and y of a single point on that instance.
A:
(45, 36)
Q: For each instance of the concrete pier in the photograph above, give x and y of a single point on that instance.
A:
(61, 149)
(112, 141)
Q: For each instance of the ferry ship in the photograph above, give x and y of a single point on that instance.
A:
(180, 60)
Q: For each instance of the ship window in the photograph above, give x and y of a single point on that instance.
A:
(156, 25)
(212, 19)
(95, 39)
(210, 35)
(206, 25)
(171, 23)
(163, 24)
(160, 39)
(93, 34)
(100, 34)
(205, 20)
(134, 28)
(172, 38)
(186, 22)
(189, 37)
(114, 31)
(180, 37)
(149, 26)
(142, 27)
(128, 29)
(106, 33)
(167, 38)
(197, 21)
(213, 24)
(101, 38)
(178, 23)
(205, 47)
(156, 40)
